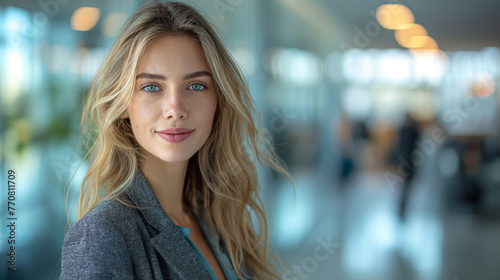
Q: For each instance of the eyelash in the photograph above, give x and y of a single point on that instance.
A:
(150, 85)
(159, 88)
(197, 83)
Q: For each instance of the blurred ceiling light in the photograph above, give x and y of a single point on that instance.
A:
(84, 18)
(421, 41)
(394, 16)
(404, 36)
(429, 47)
(428, 43)
(113, 23)
(484, 85)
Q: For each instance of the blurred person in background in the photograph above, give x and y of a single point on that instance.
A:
(346, 149)
(171, 190)
(354, 137)
(471, 164)
(407, 140)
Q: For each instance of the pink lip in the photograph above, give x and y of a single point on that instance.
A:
(175, 135)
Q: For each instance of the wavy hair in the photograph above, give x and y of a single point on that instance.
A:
(221, 184)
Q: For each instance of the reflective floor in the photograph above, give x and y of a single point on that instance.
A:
(354, 231)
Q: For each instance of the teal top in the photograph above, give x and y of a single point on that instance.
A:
(223, 259)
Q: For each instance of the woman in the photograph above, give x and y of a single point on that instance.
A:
(171, 188)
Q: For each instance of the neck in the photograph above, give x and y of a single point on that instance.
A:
(167, 181)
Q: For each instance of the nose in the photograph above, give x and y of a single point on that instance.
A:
(175, 105)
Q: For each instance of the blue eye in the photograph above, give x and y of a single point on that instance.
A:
(198, 87)
(151, 88)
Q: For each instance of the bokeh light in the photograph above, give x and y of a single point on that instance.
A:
(484, 85)
(85, 18)
(405, 35)
(394, 16)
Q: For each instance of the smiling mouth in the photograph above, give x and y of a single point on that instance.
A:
(176, 130)
(175, 137)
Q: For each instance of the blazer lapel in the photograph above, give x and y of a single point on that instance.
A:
(179, 255)
(169, 243)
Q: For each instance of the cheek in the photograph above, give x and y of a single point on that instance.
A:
(204, 115)
(140, 114)
(132, 115)
(210, 112)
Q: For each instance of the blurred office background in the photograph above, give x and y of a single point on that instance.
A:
(386, 115)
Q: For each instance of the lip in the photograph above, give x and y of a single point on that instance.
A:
(175, 135)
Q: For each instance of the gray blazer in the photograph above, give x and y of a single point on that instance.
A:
(115, 241)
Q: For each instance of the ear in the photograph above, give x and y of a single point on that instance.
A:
(124, 115)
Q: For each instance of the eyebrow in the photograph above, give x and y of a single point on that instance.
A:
(161, 77)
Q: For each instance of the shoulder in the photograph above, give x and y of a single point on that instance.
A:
(96, 244)
(108, 217)
(109, 211)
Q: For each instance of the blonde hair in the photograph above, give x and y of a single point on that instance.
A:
(221, 185)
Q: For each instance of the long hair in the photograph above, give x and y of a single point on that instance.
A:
(221, 184)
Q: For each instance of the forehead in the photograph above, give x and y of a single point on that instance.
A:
(171, 54)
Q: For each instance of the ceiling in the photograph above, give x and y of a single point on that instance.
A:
(454, 24)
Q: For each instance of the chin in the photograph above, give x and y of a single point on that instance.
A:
(175, 158)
